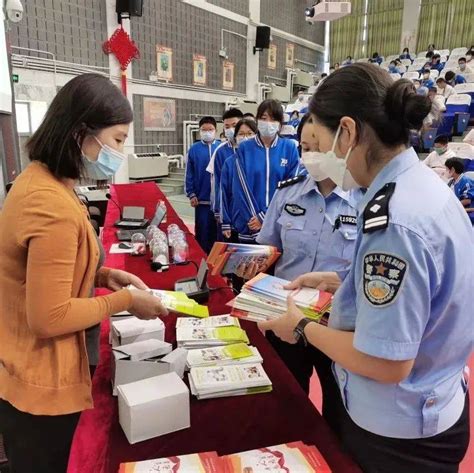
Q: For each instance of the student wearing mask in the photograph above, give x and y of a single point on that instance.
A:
(444, 88)
(437, 158)
(376, 58)
(453, 79)
(348, 61)
(260, 164)
(294, 119)
(50, 261)
(197, 184)
(436, 63)
(395, 319)
(420, 90)
(463, 68)
(395, 68)
(406, 54)
(336, 66)
(245, 130)
(230, 118)
(331, 70)
(426, 80)
(437, 99)
(462, 185)
(314, 224)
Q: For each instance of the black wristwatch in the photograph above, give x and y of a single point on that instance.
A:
(298, 332)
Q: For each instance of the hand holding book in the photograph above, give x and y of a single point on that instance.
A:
(324, 281)
(283, 327)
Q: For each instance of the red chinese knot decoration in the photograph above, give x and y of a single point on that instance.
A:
(124, 49)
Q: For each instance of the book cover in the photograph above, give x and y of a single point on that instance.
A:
(209, 322)
(237, 353)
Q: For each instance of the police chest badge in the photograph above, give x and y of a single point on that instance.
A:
(295, 210)
(383, 277)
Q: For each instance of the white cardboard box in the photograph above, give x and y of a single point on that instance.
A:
(153, 407)
(130, 330)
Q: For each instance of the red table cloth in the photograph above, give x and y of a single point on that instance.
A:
(226, 425)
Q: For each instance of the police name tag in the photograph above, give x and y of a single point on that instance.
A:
(295, 210)
(383, 277)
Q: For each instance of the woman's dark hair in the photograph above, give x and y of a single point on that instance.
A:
(232, 113)
(442, 139)
(209, 120)
(84, 106)
(273, 108)
(367, 94)
(306, 118)
(455, 163)
(450, 75)
(429, 54)
(406, 50)
(349, 57)
(375, 55)
(247, 122)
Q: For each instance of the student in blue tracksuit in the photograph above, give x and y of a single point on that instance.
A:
(245, 130)
(426, 80)
(230, 119)
(400, 332)
(260, 164)
(462, 185)
(198, 182)
(454, 79)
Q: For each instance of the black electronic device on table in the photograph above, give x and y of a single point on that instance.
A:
(132, 217)
(196, 287)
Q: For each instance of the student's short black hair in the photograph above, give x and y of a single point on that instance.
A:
(249, 115)
(450, 75)
(433, 89)
(375, 55)
(429, 54)
(84, 106)
(417, 80)
(210, 120)
(455, 163)
(232, 113)
(248, 122)
(442, 139)
(462, 59)
(273, 108)
(324, 74)
(426, 71)
(440, 79)
(393, 62)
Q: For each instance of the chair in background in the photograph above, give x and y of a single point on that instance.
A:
(395, 76)
(467, 88)
(459, 104)
(462, 150)
(427, 138)
(412, 75)
(459, 51)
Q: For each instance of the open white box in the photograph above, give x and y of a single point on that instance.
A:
(130, 330)
(153, 407)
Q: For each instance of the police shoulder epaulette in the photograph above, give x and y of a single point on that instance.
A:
(376, 215)
(290, 182)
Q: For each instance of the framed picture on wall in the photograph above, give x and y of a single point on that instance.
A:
(290, 55)
(272, 57)
(164, 61)
(228, 75)
(159, 114)
(199, 70)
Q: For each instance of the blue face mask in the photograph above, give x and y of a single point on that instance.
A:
(107, 164)
(268, 129)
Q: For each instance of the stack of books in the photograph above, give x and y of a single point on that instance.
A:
(263, 298)
(208, 462)
(295, 457)
(232, 380)
(236, 354)
(225, 258)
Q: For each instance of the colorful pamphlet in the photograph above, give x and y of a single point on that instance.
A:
(264, 298)
(191, 337)
(208, 462)
(293, 457)
(225, 320)
(239, 353)
(225, 258)
(232, 380)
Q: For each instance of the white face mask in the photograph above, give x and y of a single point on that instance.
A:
(240, 139)
(229, 133)
(336, 168)
(268, 129)
(312, 162)
(208, 136)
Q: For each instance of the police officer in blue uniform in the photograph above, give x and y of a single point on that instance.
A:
(198, 182)
(401, 327)
(313, 223)
(260, 164)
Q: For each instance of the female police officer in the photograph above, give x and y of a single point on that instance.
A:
(401, 326)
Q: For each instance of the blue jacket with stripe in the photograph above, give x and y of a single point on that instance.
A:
(222, 152)
(257, 172)
(198, 180)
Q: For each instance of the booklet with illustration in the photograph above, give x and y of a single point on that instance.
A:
(225, 320)
(264, 298)
(230, 380)
(295, 457)
(238, 353)
(208, 462)
(225, 258)
(192, 337)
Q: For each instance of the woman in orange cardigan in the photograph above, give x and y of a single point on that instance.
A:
(49, 265)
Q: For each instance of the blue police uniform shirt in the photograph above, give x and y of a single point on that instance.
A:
(197, 181)
(407, 297)
(314, 233)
